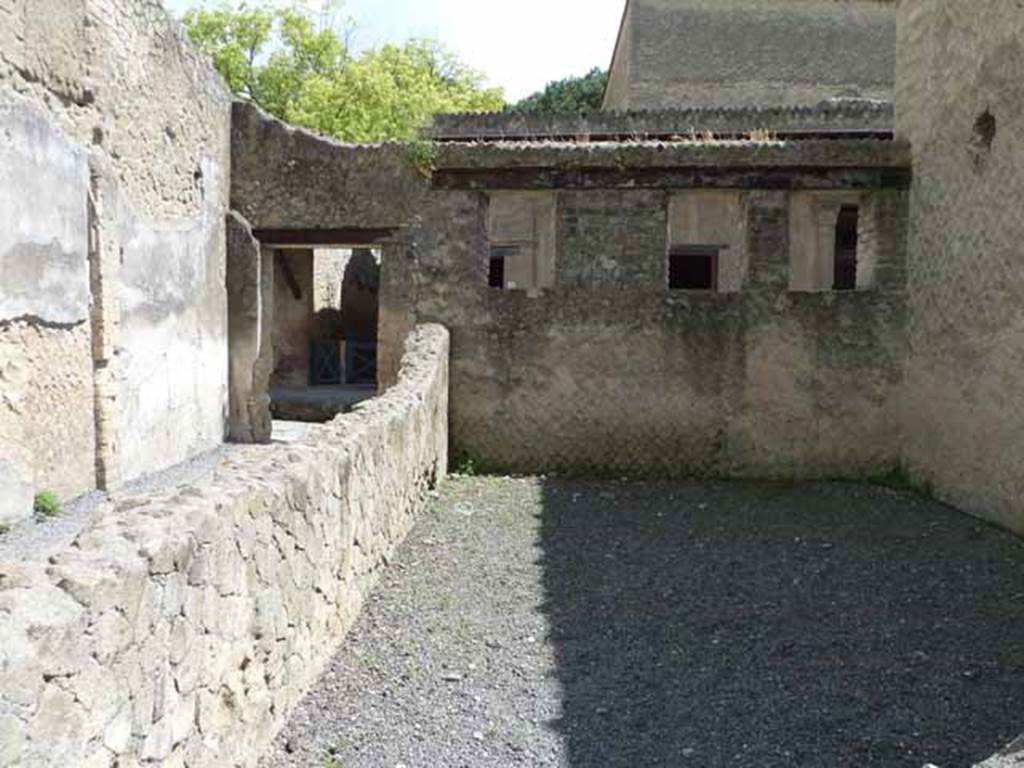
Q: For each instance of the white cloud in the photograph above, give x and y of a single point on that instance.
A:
(519, 44)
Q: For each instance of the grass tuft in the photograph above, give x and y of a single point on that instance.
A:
(898, 478)
(467, 466)
(46, 505)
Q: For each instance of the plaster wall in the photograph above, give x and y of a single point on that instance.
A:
(525, 220)
(812, 232)
(713, 218)
(347, 288)
(46, 397)
(294, 322)
(120, 230)
(328, 275)
(963, 411)
(173, 342)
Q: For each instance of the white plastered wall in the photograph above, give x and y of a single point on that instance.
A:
(812, 232)
(713, 218)
(525, 220)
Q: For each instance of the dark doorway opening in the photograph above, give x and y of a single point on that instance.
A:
(326, 306)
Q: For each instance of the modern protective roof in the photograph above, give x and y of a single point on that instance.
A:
(709, 53)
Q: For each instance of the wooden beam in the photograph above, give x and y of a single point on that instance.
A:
(349, 236)
(672, 178)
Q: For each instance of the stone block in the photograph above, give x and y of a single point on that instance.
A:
(158, 741)
(12, 734)
(16, 492)
(118, 732)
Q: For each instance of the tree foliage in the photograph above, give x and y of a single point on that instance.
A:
(298, 66)
(577, 95)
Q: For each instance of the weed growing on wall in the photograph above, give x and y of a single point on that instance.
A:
(46, 505)
(898, 478)
(467, 467)
(423, 156)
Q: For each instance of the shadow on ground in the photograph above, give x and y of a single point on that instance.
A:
(822, 625)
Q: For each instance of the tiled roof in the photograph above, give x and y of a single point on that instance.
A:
(676, 53)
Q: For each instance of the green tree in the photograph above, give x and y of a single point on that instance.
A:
(233, 39)
(297, 66)
(577, 95)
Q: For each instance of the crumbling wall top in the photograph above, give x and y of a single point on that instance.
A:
(842, 117)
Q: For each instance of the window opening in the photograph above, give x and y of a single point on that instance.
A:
(693, 268)
(846, 249)
(500, 254)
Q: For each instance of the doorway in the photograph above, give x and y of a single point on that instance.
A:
(326, 303)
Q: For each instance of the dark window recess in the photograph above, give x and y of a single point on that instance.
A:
(846, 249)
(496, 269)
(496, 272)
(693, 268)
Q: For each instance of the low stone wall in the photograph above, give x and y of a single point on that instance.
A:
(182, 628)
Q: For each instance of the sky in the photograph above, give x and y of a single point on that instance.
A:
(520, 45)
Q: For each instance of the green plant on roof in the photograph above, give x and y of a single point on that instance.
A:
(422, 154)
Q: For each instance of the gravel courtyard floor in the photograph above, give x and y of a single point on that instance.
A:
(548, 622)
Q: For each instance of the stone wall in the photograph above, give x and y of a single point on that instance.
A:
(182, 628)
(960, 104)
(250, 284)
(608, 370)
(114, 169)
(611, 372)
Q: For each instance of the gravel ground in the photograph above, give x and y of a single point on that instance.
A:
(37, 539)
(546, 622)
